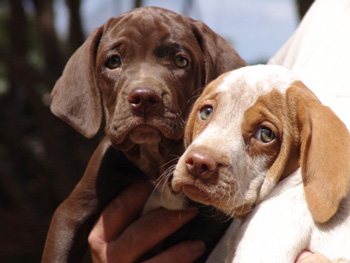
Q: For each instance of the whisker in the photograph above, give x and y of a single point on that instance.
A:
(194, 95)
(165, 177)
(173, 160)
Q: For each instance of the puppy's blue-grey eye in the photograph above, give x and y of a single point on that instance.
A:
(205, 112)
(265, 135)
(180, 61)
(113, 62)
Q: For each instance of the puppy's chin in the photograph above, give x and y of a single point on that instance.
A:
(145, 135)
(198, 195)
(204, 195)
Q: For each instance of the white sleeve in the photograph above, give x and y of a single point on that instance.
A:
(319, 53)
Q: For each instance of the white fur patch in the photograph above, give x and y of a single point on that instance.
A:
(238, 91)
(266, 77)
(166, 199)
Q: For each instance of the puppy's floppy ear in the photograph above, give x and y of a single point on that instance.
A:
(75, 96)
(219, 56)
(324, 154)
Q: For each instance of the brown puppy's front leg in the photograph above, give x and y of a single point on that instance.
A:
(107, 173)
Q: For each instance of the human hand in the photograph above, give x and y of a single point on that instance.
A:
(120, 236)
(307, 256)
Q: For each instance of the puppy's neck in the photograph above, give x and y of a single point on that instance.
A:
(287, 184)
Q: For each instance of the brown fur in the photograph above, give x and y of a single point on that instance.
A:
(147, 40)
(325, 153)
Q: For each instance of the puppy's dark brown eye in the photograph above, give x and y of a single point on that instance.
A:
(265, 135)
(181, 62)
(205, 112)
(113, 62)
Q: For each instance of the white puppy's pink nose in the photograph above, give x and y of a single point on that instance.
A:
(201, 165)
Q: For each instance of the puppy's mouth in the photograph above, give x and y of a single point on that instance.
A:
(136, 130)
(217, 196)
(198, 192)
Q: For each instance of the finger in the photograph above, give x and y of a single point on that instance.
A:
(121, 211)
(184, 252)
(309, 257)
(303, 255)
(319, 258)
(147, 232)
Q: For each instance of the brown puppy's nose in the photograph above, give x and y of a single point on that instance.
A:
(144, 100)
(202, 165)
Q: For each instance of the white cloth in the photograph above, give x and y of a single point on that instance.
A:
(319, 53)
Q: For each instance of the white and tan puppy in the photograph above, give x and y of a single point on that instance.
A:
(261, 147)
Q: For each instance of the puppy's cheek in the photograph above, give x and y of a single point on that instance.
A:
(176, 183)
(180, 176)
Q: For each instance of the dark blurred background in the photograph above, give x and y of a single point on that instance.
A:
(41, 158)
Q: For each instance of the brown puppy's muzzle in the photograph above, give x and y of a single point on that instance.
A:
(149, 115)
(145, 104)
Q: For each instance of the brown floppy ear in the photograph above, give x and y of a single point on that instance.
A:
(75, 96)
(219, 56)
(324, 154)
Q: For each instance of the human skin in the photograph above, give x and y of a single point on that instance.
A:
(307, 256)
(120, 228)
